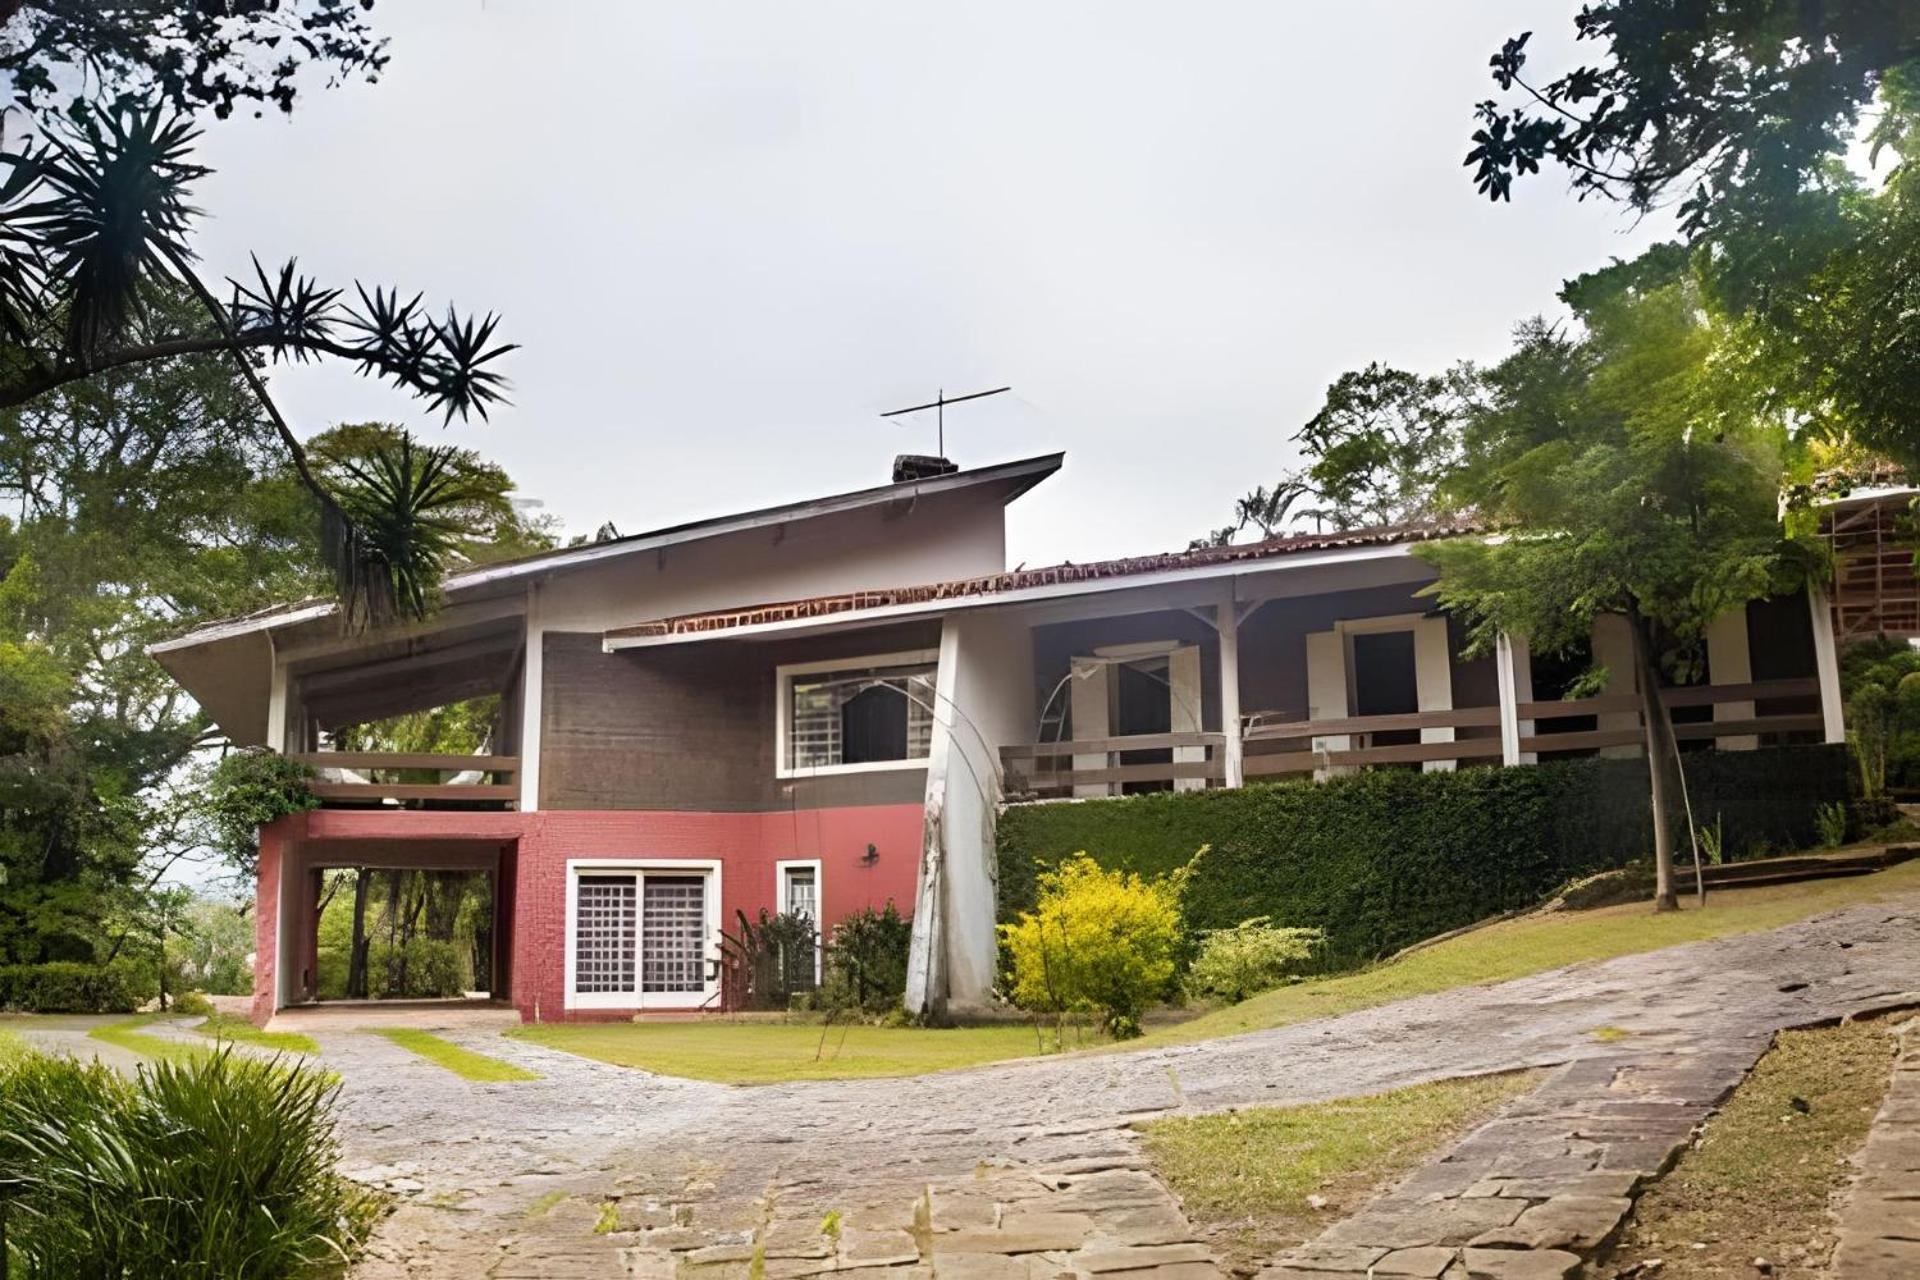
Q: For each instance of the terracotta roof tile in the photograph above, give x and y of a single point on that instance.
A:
(1052, 575)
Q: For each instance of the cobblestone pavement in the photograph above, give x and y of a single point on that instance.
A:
(1880, 1222)
(1031, 1170)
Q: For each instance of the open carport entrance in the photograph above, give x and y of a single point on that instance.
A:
(435, 920)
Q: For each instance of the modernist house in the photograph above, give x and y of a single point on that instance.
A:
(823, 706)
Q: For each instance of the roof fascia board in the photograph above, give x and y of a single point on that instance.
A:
(1031, 470)
(1025, 595)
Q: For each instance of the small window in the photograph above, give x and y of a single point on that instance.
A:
(802, 894)
(856, 714)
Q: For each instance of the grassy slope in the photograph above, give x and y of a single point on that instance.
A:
(1244, 1176)
(1760, 1182)
(762, 1052)
(464, 1063)
(769, 1052)
(127, 1034)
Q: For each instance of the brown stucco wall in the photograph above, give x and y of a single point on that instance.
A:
(691, 727)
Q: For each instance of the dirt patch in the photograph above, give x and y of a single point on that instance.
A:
(1760, 1183)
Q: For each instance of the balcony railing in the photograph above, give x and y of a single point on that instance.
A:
(1274, 747)
(1069, 768)
(415, 778)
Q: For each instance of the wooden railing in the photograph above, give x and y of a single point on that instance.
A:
(1072, 767)
(1306, 746)
(374, 779)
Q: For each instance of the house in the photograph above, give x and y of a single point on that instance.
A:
(822, 706)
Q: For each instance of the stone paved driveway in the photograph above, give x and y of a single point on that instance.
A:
(1030, 1169)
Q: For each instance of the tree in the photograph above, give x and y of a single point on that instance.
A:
(1632, 475)
(188, 56)
(94, 224)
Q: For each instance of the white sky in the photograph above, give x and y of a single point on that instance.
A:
(729, 235)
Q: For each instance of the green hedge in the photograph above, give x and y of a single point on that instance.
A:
(66, 987)
(1384, 859)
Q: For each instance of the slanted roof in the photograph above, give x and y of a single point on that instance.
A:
(1027, 583)
(1014, 478)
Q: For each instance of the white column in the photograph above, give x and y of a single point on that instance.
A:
(1433, 681)
(1327, 694)
(532, 672)
(1183, 687)
(1826, 658)
(1088, 709)
(1503, 662)
(1613, 649)
(926, 991)
(1729, 662)
(277, 681)
(1226, 617)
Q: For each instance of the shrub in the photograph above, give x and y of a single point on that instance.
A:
(1097, 939)
(247, 790)
(1250, 957)
(1384, 859)
(220, 1166)
(193, 1004)
(771, 961)
(866, 962)
(423, 969)
(1831, 820)
(63, 986)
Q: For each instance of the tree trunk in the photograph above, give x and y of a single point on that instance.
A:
(1661, 754)
(357, 954)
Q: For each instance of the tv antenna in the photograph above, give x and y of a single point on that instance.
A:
(940, 402)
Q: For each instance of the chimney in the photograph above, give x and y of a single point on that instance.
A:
(920, 466)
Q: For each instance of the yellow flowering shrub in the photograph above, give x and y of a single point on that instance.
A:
(1096, 939)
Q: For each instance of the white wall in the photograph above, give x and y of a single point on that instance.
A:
(993, 707)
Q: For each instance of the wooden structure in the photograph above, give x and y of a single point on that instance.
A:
(1875, 591)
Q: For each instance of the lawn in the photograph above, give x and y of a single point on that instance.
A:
(752, 1052)
(1761, 1180)
(464, 1063)
(1244, 1177)
(771, 1052)
(127, 1034)
(231, 1026)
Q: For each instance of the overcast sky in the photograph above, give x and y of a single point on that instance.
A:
(728, 235)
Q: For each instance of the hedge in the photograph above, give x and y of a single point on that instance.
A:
(1383, 859)
(67, 987)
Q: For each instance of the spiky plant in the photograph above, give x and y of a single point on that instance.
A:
(95, 216)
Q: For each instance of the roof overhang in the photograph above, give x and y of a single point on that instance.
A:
(613, 642)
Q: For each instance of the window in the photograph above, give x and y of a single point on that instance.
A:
(640, 935)
(798, 886)
(867, 713)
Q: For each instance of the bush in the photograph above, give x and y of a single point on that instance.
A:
(193, 1004)
(63, 986)
(247, 790)
(1097, 939)
(1250, 957)
(1384, 859)
(221, 1166)
(423, 969)
(770, 962)
(866, 962)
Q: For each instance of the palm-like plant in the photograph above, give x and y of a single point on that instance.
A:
(407, 500)
(95, 216)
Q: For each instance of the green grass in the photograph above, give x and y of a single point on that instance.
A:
(1243, 1177)
(127, 1034)
(464, 1063)
(1761, 1181)
(1535, 944)
(772, 1052)
(231, 1026)
(13, 1048)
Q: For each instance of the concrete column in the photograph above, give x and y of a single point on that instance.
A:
(1226, 617)
(927, 947)
(1087, 692)
(1826, 659)
(532, 670)
(1613, 649)
(277, 692)
(1433, 680)
(1729, 662)
(1504, 661)
(1183, 687)
(1327, 694)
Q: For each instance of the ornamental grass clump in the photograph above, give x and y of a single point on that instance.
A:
(1097, 940)
(220, 1166)
(1253, 956)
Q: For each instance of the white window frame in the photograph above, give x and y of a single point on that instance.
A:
(783, 704)
(707, 996)
(784, 868)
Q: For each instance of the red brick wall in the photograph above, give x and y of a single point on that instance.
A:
(748, 846)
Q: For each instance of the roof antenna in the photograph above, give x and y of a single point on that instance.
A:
(940, 402)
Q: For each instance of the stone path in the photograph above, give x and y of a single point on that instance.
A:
(1880, 1223)
(512, 1180)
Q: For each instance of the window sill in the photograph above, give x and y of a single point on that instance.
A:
(833, 770)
